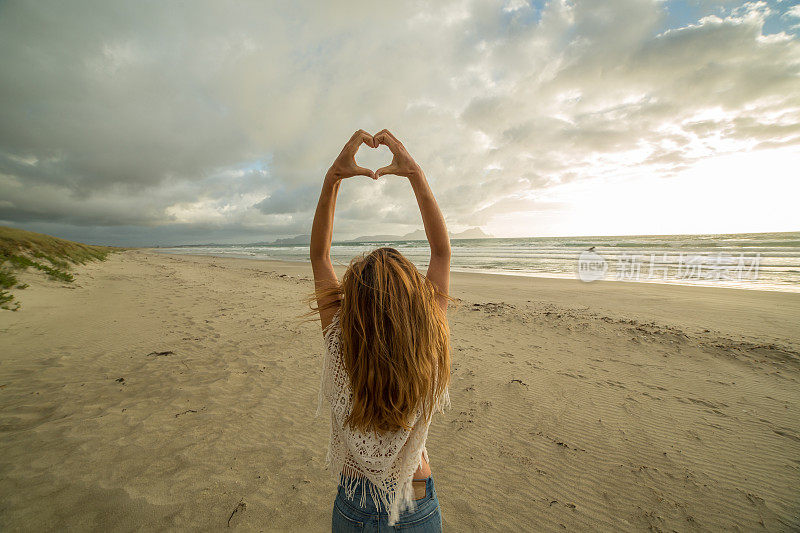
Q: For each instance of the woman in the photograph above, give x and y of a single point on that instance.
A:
(387, 360)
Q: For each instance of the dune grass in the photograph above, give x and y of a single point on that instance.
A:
(20, 250)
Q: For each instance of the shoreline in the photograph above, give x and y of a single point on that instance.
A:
(686, 306)
(591, 407)
(763, 287)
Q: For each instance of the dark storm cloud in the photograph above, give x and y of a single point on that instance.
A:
(224, 117)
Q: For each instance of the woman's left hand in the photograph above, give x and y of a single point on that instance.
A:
(345, 165)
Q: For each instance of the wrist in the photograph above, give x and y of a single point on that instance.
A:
(332, 176)
(416, 174)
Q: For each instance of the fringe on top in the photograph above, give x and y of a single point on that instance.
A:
(388, 459)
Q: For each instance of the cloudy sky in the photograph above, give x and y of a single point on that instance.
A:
(141, 123)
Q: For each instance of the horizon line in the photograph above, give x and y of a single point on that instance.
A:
(343, 241)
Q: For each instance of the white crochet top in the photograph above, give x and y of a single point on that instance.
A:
(387, 459)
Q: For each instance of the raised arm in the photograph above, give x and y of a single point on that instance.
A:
(435, 229)
(322, 229)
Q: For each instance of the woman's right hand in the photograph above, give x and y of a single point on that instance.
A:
(402, 163)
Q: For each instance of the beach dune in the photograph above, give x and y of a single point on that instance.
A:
(178, 392)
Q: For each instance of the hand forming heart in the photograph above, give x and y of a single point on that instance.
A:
(345, 164)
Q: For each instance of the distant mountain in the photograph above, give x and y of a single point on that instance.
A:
(296, 240)
(375, 238)
(471, 233)
(419, 235)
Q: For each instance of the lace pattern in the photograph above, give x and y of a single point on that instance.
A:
(387, 459)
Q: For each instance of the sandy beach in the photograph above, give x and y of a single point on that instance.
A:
(165, 392)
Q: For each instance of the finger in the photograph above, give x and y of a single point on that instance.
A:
(390, 169)
(392, 135)
(395, 139)
(367, 139)
(385, 138)
(361, 171)
(355, 141)
(383, 134)
(358, 134)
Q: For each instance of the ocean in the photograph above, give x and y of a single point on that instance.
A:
(763, 261)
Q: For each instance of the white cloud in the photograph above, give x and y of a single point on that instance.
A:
(116, 114)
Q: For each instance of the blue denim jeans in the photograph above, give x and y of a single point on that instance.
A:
(348, 516)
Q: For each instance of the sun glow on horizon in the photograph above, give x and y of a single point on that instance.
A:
(716, 195)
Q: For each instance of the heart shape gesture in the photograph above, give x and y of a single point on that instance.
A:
(345, 164)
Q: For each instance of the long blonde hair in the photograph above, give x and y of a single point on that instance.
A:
(395, 339)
